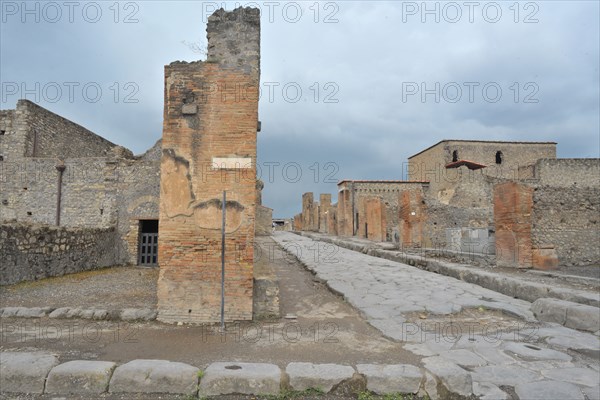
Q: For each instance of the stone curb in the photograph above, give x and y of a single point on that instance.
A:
(513, 287)
(41, 373)
(569, 314)
(127, 314)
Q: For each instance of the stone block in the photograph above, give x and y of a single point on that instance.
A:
(452, 377)
(544, 390)
(304, 376)
(395, 378)
(25, 372)
(243, 378)
(80, 377)
(154, 376)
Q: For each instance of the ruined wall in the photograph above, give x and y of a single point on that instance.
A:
(30, 190)
(429, 165)
(264, 221)
(568, 172)
(138, 192)
(209, 145)
(513, 205)
(32, 252)
(567, 220)
(7, 134)
(357, 192)
(37, 132)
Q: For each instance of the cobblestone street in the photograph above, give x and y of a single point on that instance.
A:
(530, 359)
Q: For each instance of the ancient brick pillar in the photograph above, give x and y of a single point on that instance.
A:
(209, 145)
(374, 220)
(412, 214)
(324, 209)
(512, 217)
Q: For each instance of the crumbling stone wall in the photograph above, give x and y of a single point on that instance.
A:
(137, 198)
(264, 221)
(568, 172)
(6, 133)
(209, 145)
(32, 252)
(429, 164)
(567, 220)
(34, 131)
(30, 190)
(352, 194)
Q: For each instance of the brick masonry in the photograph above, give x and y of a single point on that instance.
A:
(513, 205)
(211, 111)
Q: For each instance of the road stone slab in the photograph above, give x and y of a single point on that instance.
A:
(154, 376)
(489, 391)
(579, 376)
(507, 375)
(546, 390)
(25, 372)
(304, 376)
(454, 378)
(80, 377)
(243, 378)
(532, 352)
(395, 378)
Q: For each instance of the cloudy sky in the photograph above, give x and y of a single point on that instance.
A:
(350, 89)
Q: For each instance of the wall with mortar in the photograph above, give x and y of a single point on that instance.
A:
(7, 145)
(35, 252)
(430, 164)
(211, 112)
(264, 221)
(37, 132)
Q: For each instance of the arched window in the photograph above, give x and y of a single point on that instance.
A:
(498, 157)
(455, 156)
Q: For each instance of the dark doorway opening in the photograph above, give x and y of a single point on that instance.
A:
(148, 243)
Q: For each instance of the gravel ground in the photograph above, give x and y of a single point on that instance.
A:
(110, 288)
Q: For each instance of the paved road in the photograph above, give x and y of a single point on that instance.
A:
(536, 361)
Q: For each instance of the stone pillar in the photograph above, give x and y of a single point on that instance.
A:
(374, 221)
(512, 217)
(412, 214)
(324, 210)
(209, 145)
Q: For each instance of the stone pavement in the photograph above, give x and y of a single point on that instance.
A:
(532, 359)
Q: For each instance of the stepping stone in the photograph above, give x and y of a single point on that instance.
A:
(304, 376)
(25, 372)
(243, 378)
(579, 376)
(545, 390)
(531, 352)
(77, 377)
(397, 378)
(454, 378)
(154, 376)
